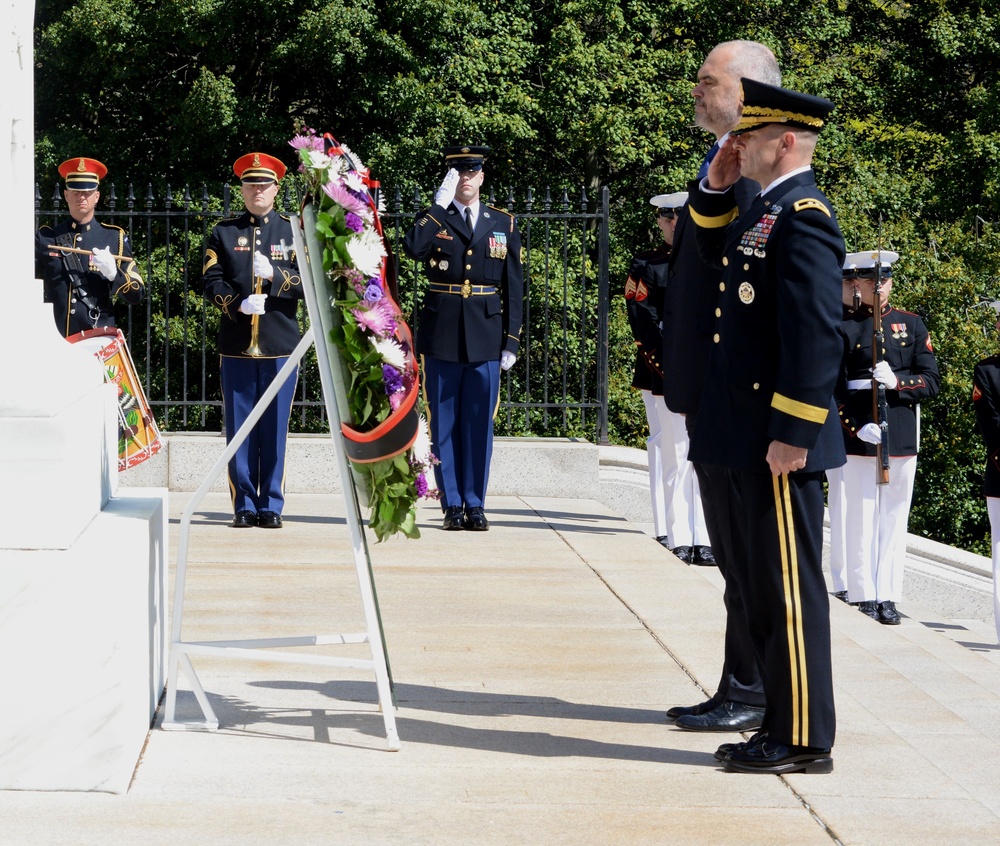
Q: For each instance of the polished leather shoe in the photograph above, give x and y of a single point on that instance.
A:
(454, 518)
(869, 608)
(729, 716)
(475, 519)
(269, 520)
(778, 759)
(684, 553)
(703, 555)
(244, 520)
(841, 595)
(887, 613)
(692, 710)
(663, 541)
(727, 749)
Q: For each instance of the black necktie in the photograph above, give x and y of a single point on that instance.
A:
(468, 217)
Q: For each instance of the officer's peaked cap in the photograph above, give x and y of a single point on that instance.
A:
(465, 157)
(669, 201)
(258, 167)
(765, 104)
(82, 174)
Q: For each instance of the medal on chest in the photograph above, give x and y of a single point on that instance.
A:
(498, 245)
(753, 241)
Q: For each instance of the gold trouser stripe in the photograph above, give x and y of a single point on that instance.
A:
(496, 408)
(717, 222)
(798, 681)
(423, 392)
(804, 411)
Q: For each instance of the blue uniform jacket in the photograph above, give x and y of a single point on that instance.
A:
(907, 348)
(228, 280)
(472, 309)
(986, 401)
(81, 297)
(644, 306)
(777, 347)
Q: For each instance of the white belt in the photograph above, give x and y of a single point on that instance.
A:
(859, 384)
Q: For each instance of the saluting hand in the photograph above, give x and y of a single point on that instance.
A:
(446, 193)
(725, 167)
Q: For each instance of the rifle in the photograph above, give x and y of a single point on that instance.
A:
(880, 406)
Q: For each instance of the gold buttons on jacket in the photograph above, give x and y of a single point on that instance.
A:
(722, 286)
(725, 261)
(718, 312)
(715, 337)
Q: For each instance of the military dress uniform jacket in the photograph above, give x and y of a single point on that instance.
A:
(472, 309)
(907, 348)
(80, 295)
(644, 304)
(689, 304)
(228, 280)
(777, 346)
(986, 401)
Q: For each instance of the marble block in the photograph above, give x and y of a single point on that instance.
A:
(83, 638)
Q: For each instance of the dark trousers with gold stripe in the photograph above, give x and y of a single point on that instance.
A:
(779, 526)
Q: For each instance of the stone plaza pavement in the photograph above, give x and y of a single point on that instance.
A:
(532, 666)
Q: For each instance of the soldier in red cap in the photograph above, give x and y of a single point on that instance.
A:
(84, 263)
(251, 276)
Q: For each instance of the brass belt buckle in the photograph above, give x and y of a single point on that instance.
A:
(466, 290)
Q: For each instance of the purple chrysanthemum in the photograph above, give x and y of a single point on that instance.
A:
(420, 484)
(373, 293)
(353, 222)
(379, 319)
(393, 379)
(343, 196)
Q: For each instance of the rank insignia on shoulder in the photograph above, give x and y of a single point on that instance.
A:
(810, 203)
(641, 292)
(976, 393)
(630, 287)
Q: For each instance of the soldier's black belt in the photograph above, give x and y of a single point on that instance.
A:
(465, 290)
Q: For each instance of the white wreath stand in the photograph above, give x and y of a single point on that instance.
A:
(258, 649)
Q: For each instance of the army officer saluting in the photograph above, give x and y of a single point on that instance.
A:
(469, 327)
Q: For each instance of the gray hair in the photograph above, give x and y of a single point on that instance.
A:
(753, 60)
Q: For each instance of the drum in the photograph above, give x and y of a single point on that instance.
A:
(138, 437)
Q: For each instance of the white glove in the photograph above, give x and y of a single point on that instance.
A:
(882, 372)
(254, 304)
(507, 360)
(105, 263)
(446, 193)
(870, 433)
(261, 266)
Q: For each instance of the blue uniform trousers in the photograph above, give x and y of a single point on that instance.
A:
(461, 399)
(257, 470)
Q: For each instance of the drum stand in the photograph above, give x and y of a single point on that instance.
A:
(257, 650)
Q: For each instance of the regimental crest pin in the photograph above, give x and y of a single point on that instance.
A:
(443, 264)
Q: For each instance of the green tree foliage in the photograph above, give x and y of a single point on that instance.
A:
(577, 94)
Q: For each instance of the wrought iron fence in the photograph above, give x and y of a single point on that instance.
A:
(558, 387)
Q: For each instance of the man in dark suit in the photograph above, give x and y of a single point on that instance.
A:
(468, 329)
(767, 411)
(81, 284)
(986, 401)
(688, 317)
(251, 275)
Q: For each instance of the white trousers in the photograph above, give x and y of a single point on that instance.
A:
(993, 507)
(673, 484)
(875, 517)
(838, 529)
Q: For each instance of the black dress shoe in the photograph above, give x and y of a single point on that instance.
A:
(700, 708)
(778, 759)
(244, 520)
(727, 749)
(454, 518)
(841, 595)
(663, 541)
(475, 519)
(868, 608)
(729, 716)
(269, 520)
(684, 553)
(703, 555)
(887, 613)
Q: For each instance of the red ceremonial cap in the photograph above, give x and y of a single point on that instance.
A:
(82, 174)
(258, 167)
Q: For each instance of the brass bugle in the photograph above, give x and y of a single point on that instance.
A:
(254, 348)
(88, 252)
